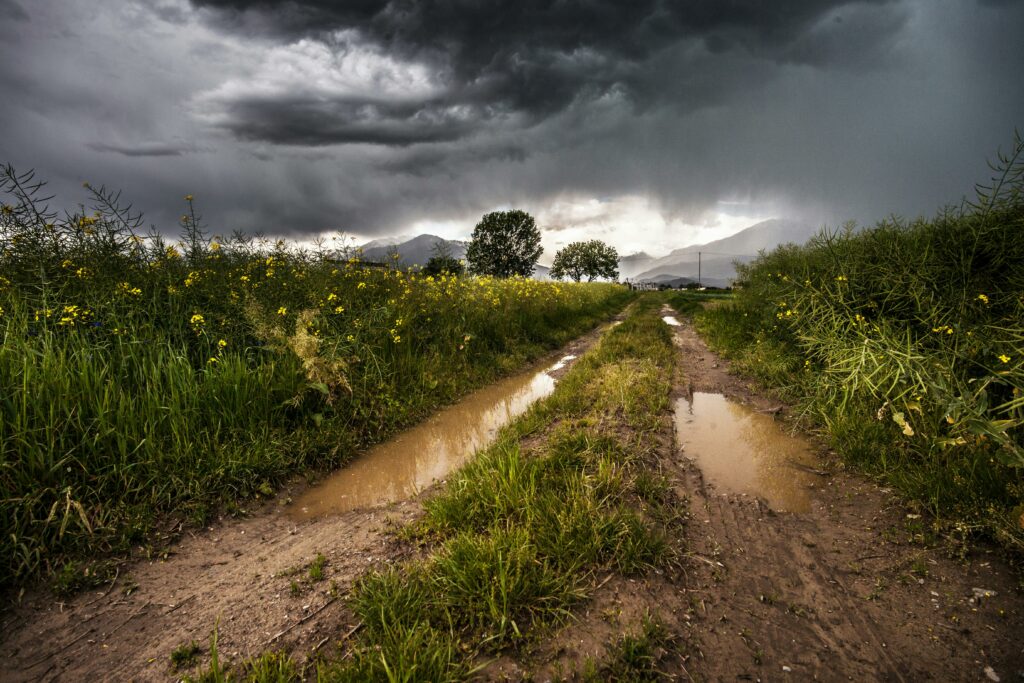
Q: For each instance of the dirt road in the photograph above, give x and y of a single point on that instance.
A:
(247, 576)
(843, 591)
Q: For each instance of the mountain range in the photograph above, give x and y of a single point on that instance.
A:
(711, 262)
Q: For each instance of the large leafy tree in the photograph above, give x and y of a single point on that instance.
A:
(591, 259)
(504, 243)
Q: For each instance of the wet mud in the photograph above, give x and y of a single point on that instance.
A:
(406, 465)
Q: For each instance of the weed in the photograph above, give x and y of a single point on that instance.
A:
(185, 654)
(316, 568)
(215, 368)
(905, 341)
(635, 656)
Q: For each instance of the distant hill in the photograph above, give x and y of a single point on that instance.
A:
(412, 252)
(717, 257)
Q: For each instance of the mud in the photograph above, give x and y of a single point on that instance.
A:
(406, 465)
(246, 576)
(742, 451)
(846, 590)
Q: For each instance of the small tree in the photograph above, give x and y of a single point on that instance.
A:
(442, 261)
(504, 243)
(591, 259)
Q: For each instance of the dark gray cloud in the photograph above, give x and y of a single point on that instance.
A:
(517, 63)
(293, 118)
(143, 149)
(10, 10)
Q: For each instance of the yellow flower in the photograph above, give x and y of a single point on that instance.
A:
(214, 246)
(282, 311)
(350, 338)
(1003, 357)
(188, 198)
(841, 278)
(197, 319)
(66, 263)
(1, 311)
(339, 309)
(211, 360)
(332, 297)
(221, 343)
(244, 278)
(361, 285)
(983, 298)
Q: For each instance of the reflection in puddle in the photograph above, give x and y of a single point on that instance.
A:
(405, 465)
(742, 451)
(670, 320)
(565, 360)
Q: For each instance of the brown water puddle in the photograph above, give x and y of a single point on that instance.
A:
(742, 451)
(410, 462)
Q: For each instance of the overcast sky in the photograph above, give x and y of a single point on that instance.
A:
(651, 124)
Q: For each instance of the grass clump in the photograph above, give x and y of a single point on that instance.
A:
(519, 535)
(143, 377)
(185, 654)
(635, 656)
(906, 341)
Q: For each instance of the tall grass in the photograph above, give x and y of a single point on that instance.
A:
(906, 340)
(141, 378)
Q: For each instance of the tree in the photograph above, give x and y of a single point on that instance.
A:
(504, 243)
(592, 259)
(442, 261)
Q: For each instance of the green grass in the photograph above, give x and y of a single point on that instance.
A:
(141, 379)
(906, 342)
(634, 657)
(516, 537)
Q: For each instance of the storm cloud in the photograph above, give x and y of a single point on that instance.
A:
(651, 123)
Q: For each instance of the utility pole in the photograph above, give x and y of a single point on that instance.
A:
(698, 269)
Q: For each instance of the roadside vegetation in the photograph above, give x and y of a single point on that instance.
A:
(517, 538)
(906, 342)
(144, 380)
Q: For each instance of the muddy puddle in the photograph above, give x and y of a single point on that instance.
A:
(746, 452)
(410, 462)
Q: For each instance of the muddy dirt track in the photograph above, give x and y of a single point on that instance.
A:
(236, 574)
(839, 592)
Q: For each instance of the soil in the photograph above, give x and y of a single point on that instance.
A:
(236, 575)
(842, 592)
(845, 591)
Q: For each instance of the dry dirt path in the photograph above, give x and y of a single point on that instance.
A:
(236, 574)
(839, 592)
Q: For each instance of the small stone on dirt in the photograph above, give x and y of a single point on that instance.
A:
(991, 674)
(983, 593)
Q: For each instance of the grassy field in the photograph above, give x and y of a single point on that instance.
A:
(142, 380)
(906, 342)
(518, 537)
